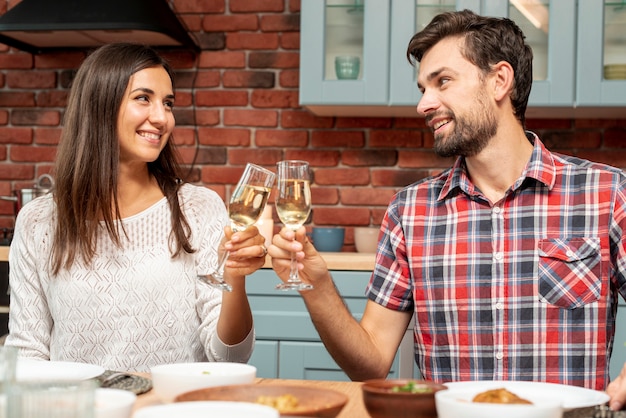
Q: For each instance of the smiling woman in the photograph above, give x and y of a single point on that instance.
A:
(104, 269)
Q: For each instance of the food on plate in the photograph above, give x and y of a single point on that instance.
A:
(412, 387)
(499, 396)
(283, 403)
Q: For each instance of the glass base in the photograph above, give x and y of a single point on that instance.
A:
(217, 283)
(294, 286)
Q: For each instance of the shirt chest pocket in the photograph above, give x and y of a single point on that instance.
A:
(570, 271)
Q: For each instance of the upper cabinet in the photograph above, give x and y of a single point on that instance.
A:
(575, 54)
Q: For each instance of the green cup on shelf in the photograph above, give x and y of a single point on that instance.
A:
(347, 67)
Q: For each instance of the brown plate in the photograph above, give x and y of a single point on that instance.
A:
(312, 402)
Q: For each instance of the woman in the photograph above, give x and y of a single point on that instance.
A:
(104, 270)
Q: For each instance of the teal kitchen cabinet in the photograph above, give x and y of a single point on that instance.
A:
(573, 43)
(601, 61)
(287, 344)
(618, 357)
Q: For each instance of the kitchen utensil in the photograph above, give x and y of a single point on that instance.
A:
(44, 185)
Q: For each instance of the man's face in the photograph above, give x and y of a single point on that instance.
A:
(456, 102)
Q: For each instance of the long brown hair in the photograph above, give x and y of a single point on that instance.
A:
(488, 40)
(87, 161)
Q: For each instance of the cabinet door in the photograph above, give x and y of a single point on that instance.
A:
(601, 48)
(265, 358)
(553, 44)
(331, 28)
(311, 361)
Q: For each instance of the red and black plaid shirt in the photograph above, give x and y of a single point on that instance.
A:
(525, 289)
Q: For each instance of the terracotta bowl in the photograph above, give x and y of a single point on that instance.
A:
(382, 402)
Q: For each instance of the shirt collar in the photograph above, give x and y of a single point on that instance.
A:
(540, 167)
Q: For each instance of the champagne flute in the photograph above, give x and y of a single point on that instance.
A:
(293, 205)
(246, 206)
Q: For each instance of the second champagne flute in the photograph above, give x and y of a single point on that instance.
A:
(246, 206)
(293, 205)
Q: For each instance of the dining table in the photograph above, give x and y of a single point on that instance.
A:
(354, 407)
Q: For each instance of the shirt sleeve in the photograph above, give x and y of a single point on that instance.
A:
(30, 321)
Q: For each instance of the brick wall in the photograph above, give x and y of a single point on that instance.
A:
(245, 87)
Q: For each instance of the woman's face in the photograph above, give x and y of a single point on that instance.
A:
(145, 121)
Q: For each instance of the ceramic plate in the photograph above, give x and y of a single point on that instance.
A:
(311, 401)
(207, 409)
(31, 370)
(572, 396)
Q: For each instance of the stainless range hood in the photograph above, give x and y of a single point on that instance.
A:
(44, 25)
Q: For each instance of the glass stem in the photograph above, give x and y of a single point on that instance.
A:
(219, 274)
(293, 273)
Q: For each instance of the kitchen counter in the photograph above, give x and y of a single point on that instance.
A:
(335, 261)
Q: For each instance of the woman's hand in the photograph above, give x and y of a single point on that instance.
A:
(247, 251)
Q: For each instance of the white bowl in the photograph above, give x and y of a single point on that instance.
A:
(205, 409)
(455, 403)
(170, 380)
(366, 239)
(114, 403)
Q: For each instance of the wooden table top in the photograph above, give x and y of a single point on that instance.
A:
(354, 407)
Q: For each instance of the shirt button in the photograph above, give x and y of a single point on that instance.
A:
(499, 305)
(499, 356)
(497, 209)
(498, 256)
(569, 253)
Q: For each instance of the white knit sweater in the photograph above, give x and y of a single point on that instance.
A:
(133, 307)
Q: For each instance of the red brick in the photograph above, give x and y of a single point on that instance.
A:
(4, 117)
(224, 136)
(378, 215)
(396, 178)
(35, 117)
(612, 157)
(200, 6)
(396, 138)
(186, 155)
(222, 59)
(16, 135)
(366, 196)
(274, 60)
(422, 159)
(17, 99)
(193, 23)
(16, 60)
(304, 119)
(316, 158)
(351, 139)
(212, 156)
(564, 140)
(180, 59)
(341, 216)
(294, 6)
(615, 138)
(281, 138)
(248, 79)
(221, 175)
(207, 117)
(274, 98)
(52, 98)
(60, 60)
(3, 152)
(263, 157)
(289, 78)
(230, 23)
(247, 6)
(31, 79)
(369, 157)
(592, 123)
(342, 176)
(32, 154)
(183, 98)
(280, 23)
(251, 41)
(258, 118)
(221, 98)
(355, 122)
(183, 136)
(207, 79)
(324, 195)
(416, 122)
(47, 136)
(17, 171)
(533, 124)
(290, 40)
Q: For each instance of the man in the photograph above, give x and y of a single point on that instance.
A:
(511, 261)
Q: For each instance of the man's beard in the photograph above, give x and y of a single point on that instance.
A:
(471, 133)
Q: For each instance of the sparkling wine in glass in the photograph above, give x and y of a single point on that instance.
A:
(293, 205)
(245, 208)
